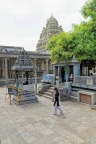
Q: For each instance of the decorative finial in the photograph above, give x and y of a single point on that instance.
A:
(51, 15)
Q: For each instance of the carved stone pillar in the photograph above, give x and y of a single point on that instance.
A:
(35, 74)
(32, 61)
(47, 67)
(42, 65)
(3, 68)
(59, 73)
(0, 68)
(38, 67)
(6, 69)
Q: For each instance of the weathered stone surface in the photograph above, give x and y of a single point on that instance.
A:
(36, 124)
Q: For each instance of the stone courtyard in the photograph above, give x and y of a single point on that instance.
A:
(36, 124)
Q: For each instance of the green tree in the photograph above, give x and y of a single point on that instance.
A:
(85, 41)
(61, 48)
(85, 33)
(89, 9)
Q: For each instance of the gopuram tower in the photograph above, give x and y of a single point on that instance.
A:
(52, 28)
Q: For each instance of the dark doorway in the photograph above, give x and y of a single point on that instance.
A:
(62, 74)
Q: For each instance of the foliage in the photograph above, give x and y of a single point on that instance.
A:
(85, 33)
(61, 47)
(85, 40)
(80, 41)
(89, 9)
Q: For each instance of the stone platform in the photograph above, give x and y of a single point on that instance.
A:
(27, 97)
(35, 123)
(23, 95)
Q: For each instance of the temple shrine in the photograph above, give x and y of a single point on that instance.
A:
(52, 28)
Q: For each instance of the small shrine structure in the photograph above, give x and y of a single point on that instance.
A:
(23, 91)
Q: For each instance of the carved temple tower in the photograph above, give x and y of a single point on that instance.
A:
(52, 28)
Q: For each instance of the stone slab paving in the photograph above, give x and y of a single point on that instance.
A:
(36, 124)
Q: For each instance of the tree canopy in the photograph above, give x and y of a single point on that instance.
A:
(80, 41)
(85, 33)
(89, 9)
(85, 40)
(61, 47)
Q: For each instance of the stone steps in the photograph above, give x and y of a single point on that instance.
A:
(51, 88)
(25, 102)
(93, 107)
(25, 98)
(47, 96)
(48, 93)
(73, 98)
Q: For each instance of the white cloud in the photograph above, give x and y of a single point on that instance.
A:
(21, 21)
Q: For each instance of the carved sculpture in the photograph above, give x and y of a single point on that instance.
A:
(92, 71)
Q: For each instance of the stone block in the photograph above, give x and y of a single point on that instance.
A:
(86, 97)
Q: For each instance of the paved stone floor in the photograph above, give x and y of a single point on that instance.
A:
(36, 124)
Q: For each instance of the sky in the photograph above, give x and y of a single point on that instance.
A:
(22, 21)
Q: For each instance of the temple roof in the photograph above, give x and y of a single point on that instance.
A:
(10, 48)
(52, 19)
(23, 62)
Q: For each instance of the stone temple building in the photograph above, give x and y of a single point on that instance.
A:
(9, 54)
(52, 28)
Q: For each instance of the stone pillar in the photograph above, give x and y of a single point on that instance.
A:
(87, 71)
(76, 70)
(54, 72)
(59, 73)
(38, 67)
(12, 63)
(50, 65)
(47, 69)
(6, 69)
(3, 68)
(35, 74)
(42, 65)
(0, 68)
(32, 61)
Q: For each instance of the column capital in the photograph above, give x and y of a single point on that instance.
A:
(5, 58)
(35, 59)
(47, 59)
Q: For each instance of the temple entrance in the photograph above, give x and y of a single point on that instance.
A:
(70, 73)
